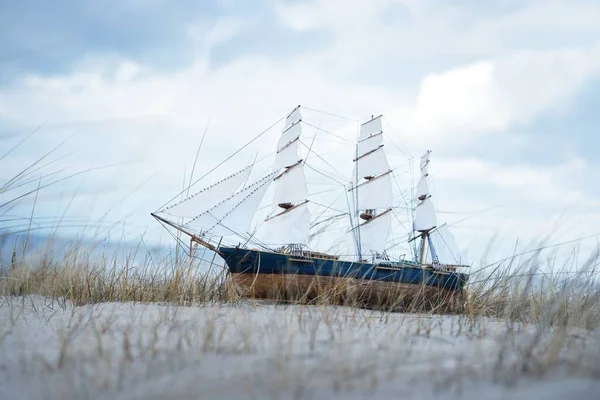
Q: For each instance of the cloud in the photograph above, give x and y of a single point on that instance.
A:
(556, 185)
(489, 96)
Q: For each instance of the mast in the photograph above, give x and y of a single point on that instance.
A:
(357, 211)
(443, 251)
(291, 222)
(371, 189)
(425, 217)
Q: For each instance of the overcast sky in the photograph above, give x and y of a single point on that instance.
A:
(505, 93)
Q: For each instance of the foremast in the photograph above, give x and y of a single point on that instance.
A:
(290, 223)
(227, 207)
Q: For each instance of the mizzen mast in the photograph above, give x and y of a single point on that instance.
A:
(425, 217)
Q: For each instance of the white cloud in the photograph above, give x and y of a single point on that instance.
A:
(221, 30)
(556, 185)
(490, 96)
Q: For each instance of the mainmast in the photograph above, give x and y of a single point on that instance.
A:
(371, 190)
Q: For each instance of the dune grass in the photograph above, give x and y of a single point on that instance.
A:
(512, 328)
(524, 293)
(516, 322)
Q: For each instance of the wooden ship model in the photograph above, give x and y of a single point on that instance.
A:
(280, 264)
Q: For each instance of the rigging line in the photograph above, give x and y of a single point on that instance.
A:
(176, 237)
(261, 182)
(322, 191)
(470, 212)
(248, 177)
(325, 175)
(399, 188)
(261, 244)
(332, 140)
(315, 183)
(256, 241)
(450, 251)
(264, 171)
(227, 159)
(471, 216)
(332, 151)
(398, 207)
(331, 114)
(355, 200)
(250, 236)
(184, 244)
(328, 132)
(312, 194)
(401, 223)
(329, 207)
(311, 145)
(322, 159)
(329, 219)
(405, 192)
(401, 141)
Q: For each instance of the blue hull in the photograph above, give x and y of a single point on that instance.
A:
(255, 262)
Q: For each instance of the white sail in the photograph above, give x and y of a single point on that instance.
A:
(425, 163)
(289, 135)
(422, 188)
(373, 194)
(293, 117)
(234, 214)
(369, 144)
(374, 234)
(372, 164)
(440, 241)
(289, 227)
(291, 186)
(371, 191)
(425, 218)
(288, 156)
(209, 196)
(445, 247)
(370, 127)
(291, 223)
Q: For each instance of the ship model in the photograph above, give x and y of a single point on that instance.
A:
(277, 261)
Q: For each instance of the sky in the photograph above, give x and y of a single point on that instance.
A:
(504, 93)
